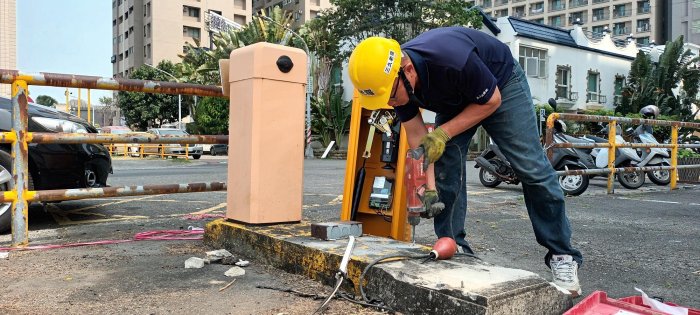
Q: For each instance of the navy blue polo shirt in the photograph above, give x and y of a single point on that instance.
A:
(456, 66)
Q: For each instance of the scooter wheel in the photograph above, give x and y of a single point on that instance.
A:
(631, 180)
(661, 178)
(573, 185)
(487, 179)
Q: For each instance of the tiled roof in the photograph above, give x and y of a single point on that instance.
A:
(542, 32)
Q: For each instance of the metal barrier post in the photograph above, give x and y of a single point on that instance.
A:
(20, 222)
(612, 134)
(80, 103)
(549, 134)
(674, 157)
(88, 110)
(187, 151)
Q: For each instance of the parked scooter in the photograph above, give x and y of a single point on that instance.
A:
(624, 157)
(495, 168)
(651, 156)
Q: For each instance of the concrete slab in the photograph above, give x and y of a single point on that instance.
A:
(462, 285)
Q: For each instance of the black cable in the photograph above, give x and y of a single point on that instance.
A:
(468, 255)
(377, 261)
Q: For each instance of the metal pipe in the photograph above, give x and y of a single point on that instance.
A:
(48, 137)
(622, 145)
(122, 191)
(635, 121)
(600, 171)
(674, 156)
(20, 221)
(100, 83)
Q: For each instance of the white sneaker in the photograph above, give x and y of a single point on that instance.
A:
(565, 273)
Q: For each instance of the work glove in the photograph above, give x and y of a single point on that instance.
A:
(432, 203)
(434, 144)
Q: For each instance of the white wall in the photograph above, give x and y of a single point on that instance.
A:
(580, 62)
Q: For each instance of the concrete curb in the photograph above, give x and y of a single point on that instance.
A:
(462, 285)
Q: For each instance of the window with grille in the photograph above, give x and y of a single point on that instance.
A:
(193, 32)
(563, 81)
(533, 61)
(190, 11)
(593, 92)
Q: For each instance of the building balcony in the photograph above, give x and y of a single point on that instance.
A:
(575, 18)
(600, 1)
(577, 3)
(596, 98)
(519, 14)
(556, 7)
(600, 17)
(536, 11)
(621, 30)
(501, 2)
(644, 28)
(621, 13)
(644, 10)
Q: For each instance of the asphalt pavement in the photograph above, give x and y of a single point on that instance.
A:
(646, 238)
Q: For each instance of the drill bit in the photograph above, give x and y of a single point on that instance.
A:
(413, 235)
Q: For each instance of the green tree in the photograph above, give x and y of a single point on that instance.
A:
(201, 65)
(654, 83)
(354, 20)
(212, 116)
(46, 100)
(106, 101)
(144, 110)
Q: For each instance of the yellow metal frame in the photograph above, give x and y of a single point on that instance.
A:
(372, 222)
(613, 145)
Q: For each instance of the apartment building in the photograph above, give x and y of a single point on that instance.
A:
(149, 31)
(8, 40)
(643, 19)
(683, 18)
(302, 10)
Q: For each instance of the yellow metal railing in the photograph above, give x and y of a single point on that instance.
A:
(19, 137)
(612, 145)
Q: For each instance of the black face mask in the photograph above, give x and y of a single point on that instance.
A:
(409, 89)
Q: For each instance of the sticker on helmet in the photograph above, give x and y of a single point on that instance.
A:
(390, 62)
(367, 92)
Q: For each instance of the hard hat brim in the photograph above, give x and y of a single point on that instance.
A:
(374, 102)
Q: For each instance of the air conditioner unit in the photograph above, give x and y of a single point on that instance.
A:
(595, 18)
(114, 58)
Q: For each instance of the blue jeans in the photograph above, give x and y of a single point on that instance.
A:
(513, 128)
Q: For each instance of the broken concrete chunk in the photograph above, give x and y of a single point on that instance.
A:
(216, 255)
(242, 263)
(194, 262)
(4, 255)
(235, 272)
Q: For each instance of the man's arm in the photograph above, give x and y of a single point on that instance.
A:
(472, 115)
(415, 130)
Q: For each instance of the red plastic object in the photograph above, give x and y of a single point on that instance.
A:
(444, 248)
(637, 300)
(598, 303)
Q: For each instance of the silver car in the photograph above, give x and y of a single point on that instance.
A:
(195, 150)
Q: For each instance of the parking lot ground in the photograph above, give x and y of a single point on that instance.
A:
(647, 238)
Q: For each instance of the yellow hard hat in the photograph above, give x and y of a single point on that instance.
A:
(374, 65)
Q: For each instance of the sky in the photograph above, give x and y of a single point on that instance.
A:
(65, 36)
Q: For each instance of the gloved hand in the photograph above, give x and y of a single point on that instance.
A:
(434, 144)
(432, 203)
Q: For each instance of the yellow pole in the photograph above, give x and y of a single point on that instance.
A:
(674, 157)
(79, 102)
(67, 101)
(611, 156)
(89, 120)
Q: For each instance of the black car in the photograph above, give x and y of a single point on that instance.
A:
(53, 166)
